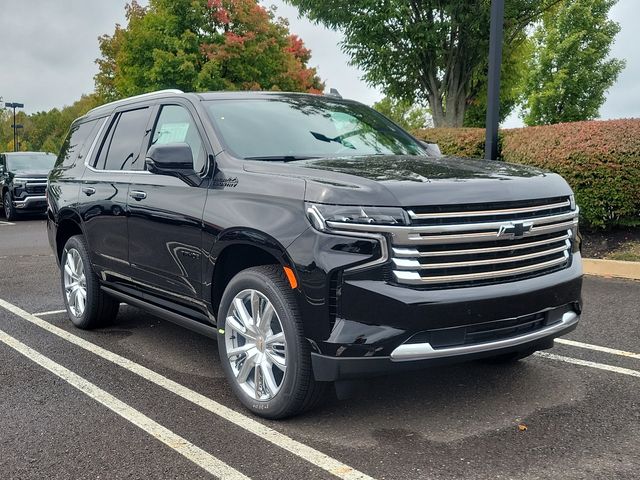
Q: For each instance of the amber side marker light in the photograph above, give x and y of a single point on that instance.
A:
(293, 281)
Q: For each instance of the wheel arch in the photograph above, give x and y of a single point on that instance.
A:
(236, 250)
(65, 229)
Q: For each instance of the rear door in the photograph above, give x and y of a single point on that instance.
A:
(105, 188)
(165, 215)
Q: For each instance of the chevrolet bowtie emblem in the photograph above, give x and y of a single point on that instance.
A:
(514, 229)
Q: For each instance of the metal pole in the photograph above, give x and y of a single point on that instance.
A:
(495, 64)
(15, 133)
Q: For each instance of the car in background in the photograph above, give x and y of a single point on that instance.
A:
(23, 181)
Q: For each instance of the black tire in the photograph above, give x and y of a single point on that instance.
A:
(100, 309)
(299, 391)
(508, 358)
(9, 210)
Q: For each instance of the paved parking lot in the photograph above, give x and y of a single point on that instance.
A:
(147, 399)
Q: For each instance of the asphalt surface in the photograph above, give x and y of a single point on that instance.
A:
(582, 421)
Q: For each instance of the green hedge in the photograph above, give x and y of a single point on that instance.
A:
(461, 142)
(599, 159)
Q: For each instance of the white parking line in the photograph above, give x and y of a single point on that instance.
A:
(310, 454)
(174, 441)
(598, 348)
(3, 223)
(50, 312)
(587, 363)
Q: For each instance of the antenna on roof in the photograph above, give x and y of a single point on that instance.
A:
(334, 93)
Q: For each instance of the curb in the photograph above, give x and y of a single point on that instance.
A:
(611, 268)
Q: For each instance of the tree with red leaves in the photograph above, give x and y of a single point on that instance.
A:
(200, 45)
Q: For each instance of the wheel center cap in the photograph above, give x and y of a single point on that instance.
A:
(260, 344)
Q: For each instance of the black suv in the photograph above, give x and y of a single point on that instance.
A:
(23, 180)
(316, 240)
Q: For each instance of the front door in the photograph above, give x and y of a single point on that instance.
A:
(165, 217)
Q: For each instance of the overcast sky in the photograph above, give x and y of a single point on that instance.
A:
(48, 48)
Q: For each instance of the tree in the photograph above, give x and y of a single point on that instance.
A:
(571, 70)
(431, 51)
(199, 45)
(44, 131)
(516, 61)
(408, 116)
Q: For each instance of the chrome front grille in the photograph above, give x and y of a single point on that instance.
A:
(481, 244)
(477, 244)
(37, 189)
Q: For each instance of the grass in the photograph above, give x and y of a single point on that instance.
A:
(629, 252)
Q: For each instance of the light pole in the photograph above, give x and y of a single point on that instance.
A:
(15, 136)
(15, 129)
(495, 64)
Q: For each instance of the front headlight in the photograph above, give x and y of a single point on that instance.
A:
(319, 215)
(18, 184)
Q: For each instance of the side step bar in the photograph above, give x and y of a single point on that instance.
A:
(186, 322)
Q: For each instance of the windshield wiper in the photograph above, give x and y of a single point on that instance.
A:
(281, 158)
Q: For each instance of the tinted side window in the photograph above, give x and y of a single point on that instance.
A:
(175, 125)
(78, 141)
(121, 148)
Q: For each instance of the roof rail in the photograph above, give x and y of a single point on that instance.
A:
(135, 97)
(334, 93)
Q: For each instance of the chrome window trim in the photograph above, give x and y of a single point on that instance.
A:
(89, 155)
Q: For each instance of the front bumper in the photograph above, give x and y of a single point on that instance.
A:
(382, 328)
(327, 368)
(31, 203)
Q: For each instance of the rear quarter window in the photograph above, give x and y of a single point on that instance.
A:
(121, 147)
(77, 143)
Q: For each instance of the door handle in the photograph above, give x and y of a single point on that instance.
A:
(88, 191)
(138, 195)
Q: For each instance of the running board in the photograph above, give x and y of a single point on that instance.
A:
(186, 322)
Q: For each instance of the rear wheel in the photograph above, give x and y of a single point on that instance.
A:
(9, 210)
(87, 305)
(264, 353)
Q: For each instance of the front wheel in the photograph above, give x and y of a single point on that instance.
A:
(9, 210)
(263, 351)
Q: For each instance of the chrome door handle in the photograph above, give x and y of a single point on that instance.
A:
(138, 195)
(88, 191)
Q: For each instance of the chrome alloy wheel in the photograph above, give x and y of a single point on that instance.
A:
(75, 282)
(256, 345)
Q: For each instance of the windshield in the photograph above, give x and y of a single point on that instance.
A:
(30, 162)
(301, 126)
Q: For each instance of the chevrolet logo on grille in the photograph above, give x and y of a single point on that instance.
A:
(514, 230)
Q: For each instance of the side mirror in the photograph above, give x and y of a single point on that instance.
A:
(431, 148)
(173, 159)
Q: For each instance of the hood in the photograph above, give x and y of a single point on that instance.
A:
(413, 181)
